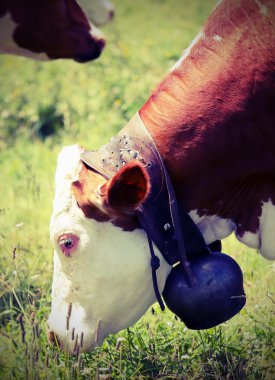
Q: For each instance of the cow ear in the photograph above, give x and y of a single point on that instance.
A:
(128, 189)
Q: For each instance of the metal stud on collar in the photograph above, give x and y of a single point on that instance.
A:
(160, 212)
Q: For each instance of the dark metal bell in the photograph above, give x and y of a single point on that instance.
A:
(215, 296)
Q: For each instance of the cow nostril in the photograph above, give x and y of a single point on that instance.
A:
(52, 338)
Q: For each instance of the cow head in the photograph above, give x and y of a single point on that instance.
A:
(48, 30)
(102, 275)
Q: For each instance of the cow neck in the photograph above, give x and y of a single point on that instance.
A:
(162, 217)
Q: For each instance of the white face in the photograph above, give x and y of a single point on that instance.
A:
(99, 11)
(104, 273)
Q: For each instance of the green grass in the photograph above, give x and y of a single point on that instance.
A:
(87, 104)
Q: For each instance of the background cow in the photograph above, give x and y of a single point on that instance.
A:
(212, 119)
(50, 30)
(99, 11)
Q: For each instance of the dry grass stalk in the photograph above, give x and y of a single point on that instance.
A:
(56, 358)
(33, 333)
(97, 330)
(23, 332)
(73, 331)
(37, 332)
(77, 350)
(76, 343)
(47, 358)
(118, 343)
(30, 298)
(69, 313)
(80, 362)
(37, 355)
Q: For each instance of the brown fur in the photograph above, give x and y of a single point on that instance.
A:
(85, 192)
(213, 117)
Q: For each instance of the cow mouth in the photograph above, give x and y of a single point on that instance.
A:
(53, 339)
(72, 344)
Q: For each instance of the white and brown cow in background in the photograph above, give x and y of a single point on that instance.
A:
(212, 119)
(98, 11)
(46, 30)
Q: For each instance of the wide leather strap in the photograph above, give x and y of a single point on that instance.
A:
(134, 142)
(162, 217)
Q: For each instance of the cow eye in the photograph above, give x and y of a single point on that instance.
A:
(68, 243)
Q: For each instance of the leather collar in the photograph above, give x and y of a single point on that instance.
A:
(162, 217)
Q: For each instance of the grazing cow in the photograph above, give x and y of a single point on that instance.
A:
(212, 120)
(47, 30)
(99, 11)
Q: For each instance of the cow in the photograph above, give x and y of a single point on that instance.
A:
(212, 121)
(99, 11)
(48, 30)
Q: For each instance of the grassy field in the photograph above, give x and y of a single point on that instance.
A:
(88, 104)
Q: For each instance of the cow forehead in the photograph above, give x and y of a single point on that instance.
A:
(68, 166)
(75, 201)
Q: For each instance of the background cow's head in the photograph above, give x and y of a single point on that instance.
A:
(49, 30)
(101, 261)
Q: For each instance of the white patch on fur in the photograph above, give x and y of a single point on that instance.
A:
(188, 50)
(264, 238)
(98, 11)
(64, 176)
(108, 277)
(250, 239)
(215, 228)
(217, 38)
(7, 44)
(267, 230)
(212, 227)
(263, 8)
